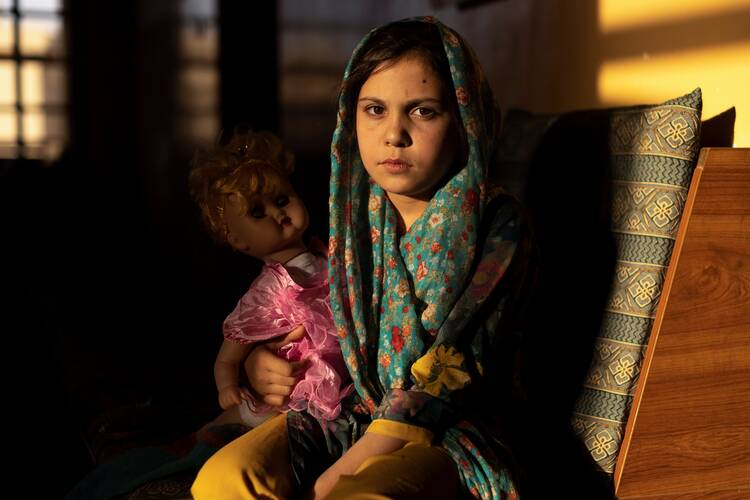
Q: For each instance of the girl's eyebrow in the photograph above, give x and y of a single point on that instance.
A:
(409, 104)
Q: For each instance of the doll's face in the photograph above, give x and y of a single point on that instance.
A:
(405, 130)
(269, 226)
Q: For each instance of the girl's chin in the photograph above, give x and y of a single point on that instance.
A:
(407, 194)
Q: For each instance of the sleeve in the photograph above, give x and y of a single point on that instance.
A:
(400, 430)
(258, 315)
(453, 366)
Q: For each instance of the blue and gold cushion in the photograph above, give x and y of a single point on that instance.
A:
(649, 157)
(654, 150)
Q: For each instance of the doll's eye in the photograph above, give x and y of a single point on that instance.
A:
(257, 212)
(282, 201)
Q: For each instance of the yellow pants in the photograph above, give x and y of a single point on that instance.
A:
(257, 465)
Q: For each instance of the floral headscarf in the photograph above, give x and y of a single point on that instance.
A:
(412, 312)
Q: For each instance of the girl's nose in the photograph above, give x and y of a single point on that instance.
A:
(397, 134)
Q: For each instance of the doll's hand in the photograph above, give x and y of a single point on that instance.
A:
(232, 396)
(271, 377)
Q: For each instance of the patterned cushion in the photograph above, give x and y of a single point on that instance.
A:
(651, 152)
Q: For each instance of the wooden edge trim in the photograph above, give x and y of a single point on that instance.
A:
(727, 157)
(659, 318)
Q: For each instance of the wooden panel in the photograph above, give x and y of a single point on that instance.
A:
(732, 494)
(689, 430)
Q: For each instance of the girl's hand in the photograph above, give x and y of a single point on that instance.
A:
(271, 377)
(368, 445)
(232, 396)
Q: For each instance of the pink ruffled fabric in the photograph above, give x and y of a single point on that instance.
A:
(273, 306)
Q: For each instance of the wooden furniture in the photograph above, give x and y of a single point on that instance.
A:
(688, 434)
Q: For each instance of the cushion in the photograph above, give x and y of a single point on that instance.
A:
(605, 189)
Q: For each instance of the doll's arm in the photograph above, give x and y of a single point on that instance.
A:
(226, 373)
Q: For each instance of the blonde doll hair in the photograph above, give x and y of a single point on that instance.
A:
(250, 165)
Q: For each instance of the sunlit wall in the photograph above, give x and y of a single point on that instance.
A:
(651, 50)
(546, 56)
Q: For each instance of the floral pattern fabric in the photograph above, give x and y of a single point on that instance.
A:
(416, 314)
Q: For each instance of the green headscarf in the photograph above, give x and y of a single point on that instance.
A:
(412, 313)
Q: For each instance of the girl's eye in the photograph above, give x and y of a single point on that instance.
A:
(423, 112)
(257, 212)
(282, 201)
(374, 109)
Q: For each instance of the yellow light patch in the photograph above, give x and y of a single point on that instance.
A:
(722, 72)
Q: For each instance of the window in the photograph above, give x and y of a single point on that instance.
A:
(33, 81)
(198, 79)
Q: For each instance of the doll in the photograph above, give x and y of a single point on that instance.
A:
(247, 202)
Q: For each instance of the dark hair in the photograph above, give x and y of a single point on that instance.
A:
(388, 45)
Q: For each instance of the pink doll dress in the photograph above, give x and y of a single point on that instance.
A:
(275, 304)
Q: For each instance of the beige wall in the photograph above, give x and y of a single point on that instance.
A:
(541, 55)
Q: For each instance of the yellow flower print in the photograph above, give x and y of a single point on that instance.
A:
(332, 244)
(373, 203)
(402, 288)
(428, 314)
(440, 370)
(385, 360)
(421, 271)
(436, 219)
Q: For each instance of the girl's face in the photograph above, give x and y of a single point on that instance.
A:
(405, 131)
(268, 226)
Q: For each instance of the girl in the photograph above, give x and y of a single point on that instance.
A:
(425, 266)
(248, 203)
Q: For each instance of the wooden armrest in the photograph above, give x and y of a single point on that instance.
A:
(688, 433)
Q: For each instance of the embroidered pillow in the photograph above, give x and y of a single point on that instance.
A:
(649, 153)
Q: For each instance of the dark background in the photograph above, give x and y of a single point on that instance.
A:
(114, 294)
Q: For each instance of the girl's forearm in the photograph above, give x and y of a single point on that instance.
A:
(368, 446)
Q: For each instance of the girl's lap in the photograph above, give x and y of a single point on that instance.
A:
(258, 464)
(415, 471)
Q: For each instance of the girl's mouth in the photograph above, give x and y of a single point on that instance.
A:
(286, 221)
(395, 165)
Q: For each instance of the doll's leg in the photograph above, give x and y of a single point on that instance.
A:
(228, 416)
(414, 471)
(255, 465)
(240, 414)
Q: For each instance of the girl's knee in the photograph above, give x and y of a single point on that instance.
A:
(254, 465)
(415, 471)
(217, 476)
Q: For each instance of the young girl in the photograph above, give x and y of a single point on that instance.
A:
(425, 263)
(248, 203)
